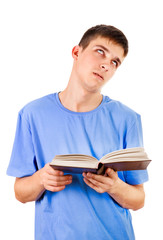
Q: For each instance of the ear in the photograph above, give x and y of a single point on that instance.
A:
(75, 52)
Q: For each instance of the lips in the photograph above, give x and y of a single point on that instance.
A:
(98, 75)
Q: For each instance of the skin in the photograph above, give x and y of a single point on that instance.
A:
(92, 68)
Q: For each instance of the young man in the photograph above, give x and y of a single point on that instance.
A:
(80, 120)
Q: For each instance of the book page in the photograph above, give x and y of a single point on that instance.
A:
(130, 154)
(81, 164)
(75, 157)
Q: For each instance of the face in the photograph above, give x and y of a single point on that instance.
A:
(97, 63)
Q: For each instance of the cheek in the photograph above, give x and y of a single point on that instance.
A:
(88, 60)
(92, 61)
(109, 74)
(86, 66)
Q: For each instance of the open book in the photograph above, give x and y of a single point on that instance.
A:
(121, 160)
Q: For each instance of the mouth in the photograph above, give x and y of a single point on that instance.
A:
(98, 75)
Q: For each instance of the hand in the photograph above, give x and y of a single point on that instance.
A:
(54, 180)
(100, 183)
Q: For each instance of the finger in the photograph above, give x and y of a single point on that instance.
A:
(96, 188)
(98, 178)
(96, 183)
(53, 171)
(57, 184)
(111, 173)
(59, 178)
(55, 189)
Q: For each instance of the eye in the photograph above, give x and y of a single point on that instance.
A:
(100, 51)
(115, 63)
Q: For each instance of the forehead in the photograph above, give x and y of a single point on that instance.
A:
(112, 47)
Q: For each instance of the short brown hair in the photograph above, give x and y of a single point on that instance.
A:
(107, 31)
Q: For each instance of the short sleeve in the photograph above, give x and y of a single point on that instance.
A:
(134, 138)
(22, 161)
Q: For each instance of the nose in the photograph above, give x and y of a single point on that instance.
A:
(104, 67)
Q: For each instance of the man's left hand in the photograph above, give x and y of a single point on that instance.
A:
(101, 183)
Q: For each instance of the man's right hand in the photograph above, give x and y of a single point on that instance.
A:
(54, 180)
(31, 188)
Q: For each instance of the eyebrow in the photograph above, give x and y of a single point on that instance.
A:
(107, 50)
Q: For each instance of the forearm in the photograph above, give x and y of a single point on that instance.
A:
(31, 188)
(128, 196)
(28, 189)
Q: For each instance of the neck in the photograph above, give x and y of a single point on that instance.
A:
(78, 99)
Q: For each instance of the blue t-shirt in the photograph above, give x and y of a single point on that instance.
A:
(46, 128)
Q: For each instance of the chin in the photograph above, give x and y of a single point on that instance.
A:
(93, 89)
(92, 86)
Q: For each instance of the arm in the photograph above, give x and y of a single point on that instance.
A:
(31, 188)
(128, 196)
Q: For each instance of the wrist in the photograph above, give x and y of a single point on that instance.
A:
(116, 186)
(39, 179)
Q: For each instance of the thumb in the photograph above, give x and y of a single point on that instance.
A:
(111, 173)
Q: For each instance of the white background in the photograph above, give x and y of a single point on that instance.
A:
(36, 38)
